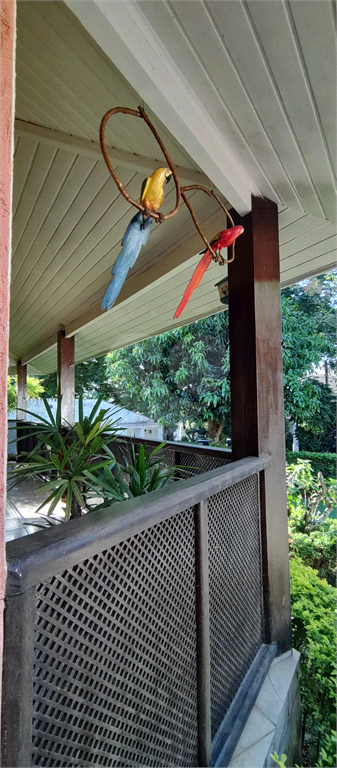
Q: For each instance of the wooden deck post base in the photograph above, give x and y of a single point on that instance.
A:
(255, 332)
(66, 376)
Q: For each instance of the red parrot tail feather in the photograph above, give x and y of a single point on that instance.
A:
(194, 282)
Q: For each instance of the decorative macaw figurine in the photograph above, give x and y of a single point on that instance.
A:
(152, 193)
(221, 240)
(136, 234)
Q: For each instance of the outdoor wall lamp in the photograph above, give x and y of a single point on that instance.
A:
(222, 287)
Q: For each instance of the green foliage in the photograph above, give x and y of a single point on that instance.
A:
(309, 318)
(180, 375)
(328, 751)
(320, 462)
(79, 466)
(280, 761)
(318, 434)
(91, 380)
(141, 473)
(314, 635)
(65, 455)
(313, 533)
(34, 389)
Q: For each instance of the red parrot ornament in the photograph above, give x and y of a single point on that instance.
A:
(221, 240)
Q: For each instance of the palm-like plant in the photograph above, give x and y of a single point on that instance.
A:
(144, 472)
(64, 454)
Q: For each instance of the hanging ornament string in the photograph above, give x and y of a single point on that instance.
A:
(142, 114)
(210, 192)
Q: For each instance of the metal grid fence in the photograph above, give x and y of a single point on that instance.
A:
(116, 676)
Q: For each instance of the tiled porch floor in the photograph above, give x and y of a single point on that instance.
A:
(21, 509)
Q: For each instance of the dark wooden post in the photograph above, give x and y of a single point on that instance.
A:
(255, 333)
(21, 400)
(66, 376)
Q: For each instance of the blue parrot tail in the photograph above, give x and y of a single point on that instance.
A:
(135, 236)
(113, 290)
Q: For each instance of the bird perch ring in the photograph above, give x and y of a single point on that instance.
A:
(142, 114)
(216, 257)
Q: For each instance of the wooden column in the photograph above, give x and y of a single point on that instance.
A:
(7, 94)
(21, 398)
(66, 376)
(257, 396)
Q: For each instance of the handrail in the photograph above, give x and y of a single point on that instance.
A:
(180, 447)
(44, 554)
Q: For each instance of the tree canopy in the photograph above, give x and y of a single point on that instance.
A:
(34, 389)
(182, 375)
(178, 376)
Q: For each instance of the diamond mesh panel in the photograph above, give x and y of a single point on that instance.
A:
(115, 655)
(198, 463)
(235, 590)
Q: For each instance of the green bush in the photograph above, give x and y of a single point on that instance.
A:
(314, 635)
(317, 549)
(320, 462)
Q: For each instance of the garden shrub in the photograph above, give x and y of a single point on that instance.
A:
(320, 462)
(314, 635)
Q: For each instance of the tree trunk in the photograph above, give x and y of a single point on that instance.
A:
(75, 508)
(167, 433)
(214, 429)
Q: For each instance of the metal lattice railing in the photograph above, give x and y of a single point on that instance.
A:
(111, 612)
(235, 593)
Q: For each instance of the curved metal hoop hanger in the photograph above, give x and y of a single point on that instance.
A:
(216, 257)
(142, 114)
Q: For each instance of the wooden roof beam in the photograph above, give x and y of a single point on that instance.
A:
(119, 157)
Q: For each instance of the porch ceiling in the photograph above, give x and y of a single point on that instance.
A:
(257, 76)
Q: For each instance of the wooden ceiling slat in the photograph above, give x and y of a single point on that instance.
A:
(71, 207)
(79, 244)
(42, 160)
(274, 27)
(54, 181)
(23, 159)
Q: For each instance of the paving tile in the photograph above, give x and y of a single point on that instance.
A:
(281, 674)
(255, 756)
(256, 728)
(268, 701)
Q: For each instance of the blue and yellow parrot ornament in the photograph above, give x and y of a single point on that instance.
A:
(136, 233)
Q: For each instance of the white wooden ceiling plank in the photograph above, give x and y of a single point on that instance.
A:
(53, 91)
(57, 174)
(301, 243)
(63, 225)
(24, 157)
(146, 309)
(274, 28)
(316, 250)
(321, 69)
(124, 34)
(80, 265)
(36, 177)
(95, 70)
(316, 266)
(234, 26)
(300, 227)
(26, 98)
(288, 216)
(46, 319)
(78, 246)
(49, 102)
(243, 124)
(53, 55)
(84, 267)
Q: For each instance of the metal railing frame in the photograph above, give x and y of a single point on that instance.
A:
(40, 556)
